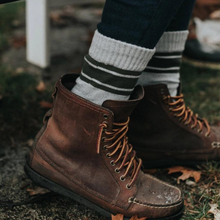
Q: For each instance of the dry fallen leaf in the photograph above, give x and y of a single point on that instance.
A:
(136, 218)
(186, 173)
(118, 217)
(121, 217)
(215, 211)
(37, 191)
(19, 42)
(45, 104)
(41, 86)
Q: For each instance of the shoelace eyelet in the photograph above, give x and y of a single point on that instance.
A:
(122, 178)
(186, 124)
(121, 149)
(105, 122)
(112, 163)
(105, 116)
(117, 170)
(108, 156)
(128, 186)
(207, 135)
(199, 131)
(105, 147)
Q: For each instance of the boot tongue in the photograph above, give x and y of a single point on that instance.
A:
(123, 109)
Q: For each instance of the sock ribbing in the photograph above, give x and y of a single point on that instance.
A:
(119, 54)
(164, 67)
(172, 41)
(111, 69)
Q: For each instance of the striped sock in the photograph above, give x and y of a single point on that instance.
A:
(111, 69)
(164, 67)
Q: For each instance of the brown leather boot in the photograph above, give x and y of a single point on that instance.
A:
(165, 132)
(82, 152)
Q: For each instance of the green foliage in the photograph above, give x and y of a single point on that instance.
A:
(20, 112)
(8, 12)
(201, 88)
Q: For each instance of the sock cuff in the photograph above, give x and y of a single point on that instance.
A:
(172, 41)
(119, 54)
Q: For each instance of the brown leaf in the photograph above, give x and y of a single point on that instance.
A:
(19, 42)
(45, 104)
(136, 218)
(215, 211)
(118, 217)
(186, 173)
(37, 191)
(121, 217)
(41, 86)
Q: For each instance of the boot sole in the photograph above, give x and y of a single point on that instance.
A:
(52, 186)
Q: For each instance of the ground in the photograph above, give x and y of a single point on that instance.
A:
(23, 103)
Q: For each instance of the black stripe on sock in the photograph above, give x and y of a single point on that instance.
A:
(164, 63)
(161, 71)
(104, 87)
(108, 78)
(112, 68)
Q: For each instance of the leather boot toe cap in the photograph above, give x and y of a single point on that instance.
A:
(156, 199)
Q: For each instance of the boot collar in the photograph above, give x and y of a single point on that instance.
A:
(120, 109)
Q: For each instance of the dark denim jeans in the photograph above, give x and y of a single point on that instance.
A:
(142, 22)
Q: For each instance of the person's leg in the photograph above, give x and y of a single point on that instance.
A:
(164, 131)
(164, 67)
(122, 46)
(83, 151)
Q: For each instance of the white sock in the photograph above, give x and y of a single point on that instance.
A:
(111, 69)
(164, 67)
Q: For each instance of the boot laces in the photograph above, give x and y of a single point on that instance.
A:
(185, 114)
(120, 146)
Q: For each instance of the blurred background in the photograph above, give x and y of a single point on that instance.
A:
(37, 48)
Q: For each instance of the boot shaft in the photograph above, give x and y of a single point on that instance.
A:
(71, 143)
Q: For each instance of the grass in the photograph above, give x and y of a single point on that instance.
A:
(8, 13)
(202, 91)
(207, 191)
(21, 115)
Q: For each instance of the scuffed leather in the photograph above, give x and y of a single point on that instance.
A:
(65, 152)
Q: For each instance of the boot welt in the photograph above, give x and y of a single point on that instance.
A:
(48, 184)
